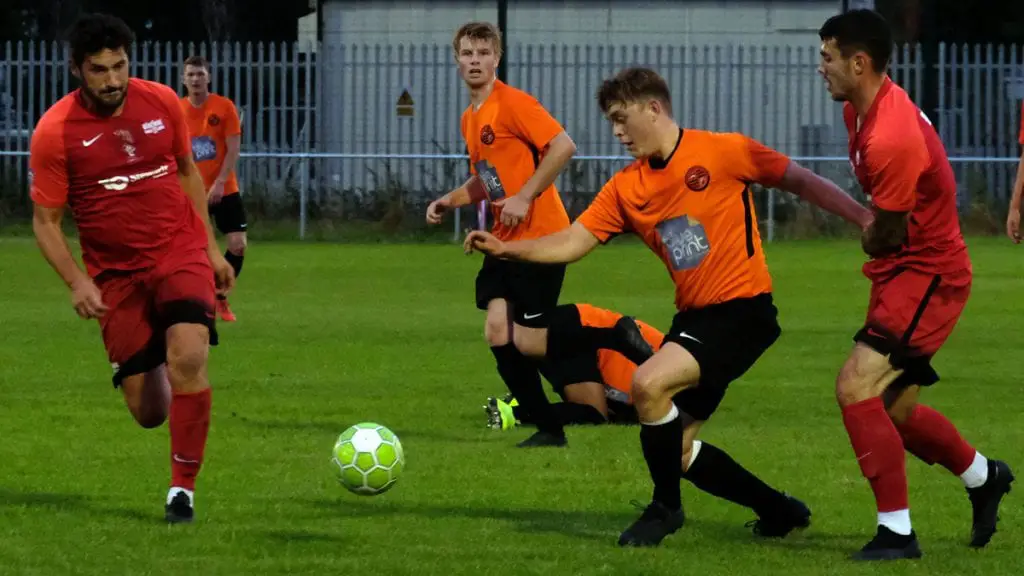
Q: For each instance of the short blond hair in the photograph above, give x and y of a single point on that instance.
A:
(478, 31)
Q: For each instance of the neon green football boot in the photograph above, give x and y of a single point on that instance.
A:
(500, 415)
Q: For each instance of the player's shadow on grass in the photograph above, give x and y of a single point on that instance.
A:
(47, 500)
(50, 502)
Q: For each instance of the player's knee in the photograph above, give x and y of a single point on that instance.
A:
(187, 353)
(645, 387)
(496, 332)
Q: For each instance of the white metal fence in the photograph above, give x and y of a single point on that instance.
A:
(335, 132)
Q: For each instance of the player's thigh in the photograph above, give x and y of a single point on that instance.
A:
(589, 393)
(185, 296)
(910, 317)
(134, 345)
(671, 370)
(229, 215)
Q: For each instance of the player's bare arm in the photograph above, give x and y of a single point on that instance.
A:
(192, 184)
(85, 296)
(1013, 216)
(555, 155)
(886, 234)
(233, 150)
(460, 196)
(562, 247)
(824, 194)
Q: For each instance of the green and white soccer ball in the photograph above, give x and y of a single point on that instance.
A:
(368, 459)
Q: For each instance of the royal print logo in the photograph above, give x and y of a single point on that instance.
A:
(487, 135)
(685, 241)
(697, 178)
(214, 120)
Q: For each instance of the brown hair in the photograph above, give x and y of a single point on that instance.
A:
(632, 85)
(198, 62)
(478, 31)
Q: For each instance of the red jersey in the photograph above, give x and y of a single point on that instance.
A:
(902, 166)
(119, 177)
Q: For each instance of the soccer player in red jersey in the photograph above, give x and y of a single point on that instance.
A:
(920, 276)
(116, 152)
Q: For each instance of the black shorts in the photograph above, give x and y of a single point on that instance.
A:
(726, 340)
(531, 290)
(229, 214)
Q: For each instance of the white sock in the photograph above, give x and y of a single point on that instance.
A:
(977, 473)
(673, 413)
(174, 492)
(693, 453)
(898, 521)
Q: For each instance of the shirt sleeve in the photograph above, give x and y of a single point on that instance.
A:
(894, 164)
(532, 122)
(232, 123)
(182, 145)
(758, 163)
(48, 174)
(604, 218)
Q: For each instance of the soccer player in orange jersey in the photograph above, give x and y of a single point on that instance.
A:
(216, 133)
(921, 276)
(688, 197)
(115, 154)
(516, 150)
(1013, 216)
(595, 384)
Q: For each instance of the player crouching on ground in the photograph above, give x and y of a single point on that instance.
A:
(594, 384)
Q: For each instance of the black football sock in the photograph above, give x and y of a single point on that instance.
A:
(235, 260)
(716, 473)
(522, 378)
(662, 445)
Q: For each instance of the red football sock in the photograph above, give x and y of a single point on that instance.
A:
(931, 437)
(879, 451)
(189, 422)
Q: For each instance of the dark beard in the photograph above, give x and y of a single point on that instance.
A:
(100, 107)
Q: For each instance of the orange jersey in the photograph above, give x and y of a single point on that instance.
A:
(696, 213)
(616, 369)
(510, 132)
(210, 126)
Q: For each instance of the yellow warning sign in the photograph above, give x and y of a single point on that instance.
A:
(405, 104)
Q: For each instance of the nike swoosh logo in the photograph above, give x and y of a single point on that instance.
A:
(685, 335)
(532, 316)
(88, 143)
(184, 461)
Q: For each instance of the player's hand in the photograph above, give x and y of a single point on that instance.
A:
(223, 273)
(87, 299)
(215, 194)
(483, 242)
(1013, 225)
(513, 209)
(436, 210)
